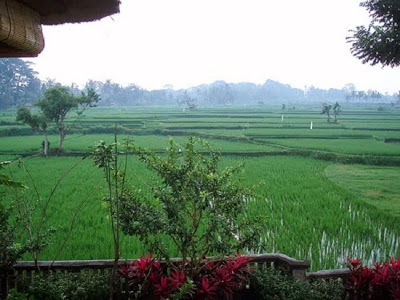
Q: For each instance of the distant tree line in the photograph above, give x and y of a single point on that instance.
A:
(20, 86)
(223, 93)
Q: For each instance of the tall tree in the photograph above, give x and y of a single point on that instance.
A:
(58, 101)
(349, 91)
(18, 82)
(336, 110)
(380, 42)
(374, 95)
(326, 109)
(37, 122)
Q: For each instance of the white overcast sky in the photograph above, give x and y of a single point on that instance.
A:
(189, 42)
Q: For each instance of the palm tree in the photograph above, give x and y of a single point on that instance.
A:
(336, 110)
(326, 109)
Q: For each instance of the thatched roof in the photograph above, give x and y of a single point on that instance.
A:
(20, 21)
(54, 12)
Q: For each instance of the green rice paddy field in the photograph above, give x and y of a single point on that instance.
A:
(316, 198)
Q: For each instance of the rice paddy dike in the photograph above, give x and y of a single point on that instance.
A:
(325, 193)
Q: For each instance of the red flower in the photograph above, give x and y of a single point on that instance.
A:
(381, 276)
(395, 264)
(162, 289)
(355, 262)
(177, 279)
(360, 279)
(207, 290)
(223, 280)
(125, 271)
(155, 277)
(143, 264)
(238, 267)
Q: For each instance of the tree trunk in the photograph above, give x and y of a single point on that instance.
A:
(46, 143)
(62, 136)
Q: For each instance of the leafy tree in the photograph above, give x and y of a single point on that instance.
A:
(201, 208)
(37, 122)
(18, 82)
(283, 106)
(58, 101)
(349, 90)
(374, 95)
(336, 110)
(361, 95)
(220, 92)
(380, 42)
(326, 109)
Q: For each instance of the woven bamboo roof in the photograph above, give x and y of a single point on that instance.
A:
(54, 12)
(20, 21)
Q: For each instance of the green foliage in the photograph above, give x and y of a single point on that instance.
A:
(272, 284)
(18, 83)
(336, 110)
(37, 122)
(13, 294)
(380, 42)
(6, 180)
(69, 286)
(106, 158)
(326, 109)
(58, 101)
(198, 206)
(10, 249)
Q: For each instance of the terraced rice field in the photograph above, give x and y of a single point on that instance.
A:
(317, 200)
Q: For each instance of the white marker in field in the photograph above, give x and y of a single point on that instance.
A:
(311, 125)
(282, 118)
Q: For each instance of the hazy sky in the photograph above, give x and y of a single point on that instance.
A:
(188, 42)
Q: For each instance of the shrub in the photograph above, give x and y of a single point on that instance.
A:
(217, 279)
(273, 284)
(69, 286)
(382, 281)
(198, 206)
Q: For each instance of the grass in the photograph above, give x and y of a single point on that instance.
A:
(347, 146)
(378, 186)
(314, 218)
(83, 143)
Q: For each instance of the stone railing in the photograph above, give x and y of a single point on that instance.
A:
(26, 270)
